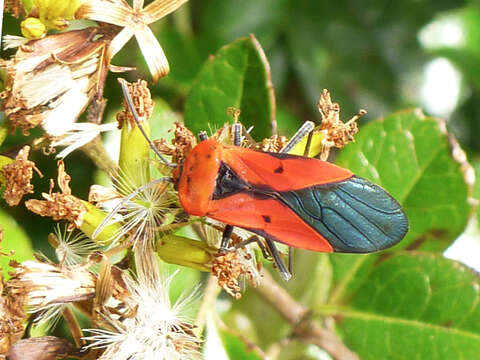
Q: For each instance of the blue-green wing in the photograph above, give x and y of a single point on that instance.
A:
(354, 215)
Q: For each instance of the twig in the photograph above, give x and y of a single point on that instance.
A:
(271, 90)
(297, 315)
(95, 151)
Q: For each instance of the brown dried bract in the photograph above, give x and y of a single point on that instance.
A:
(183, 142)
(14, 7)
(337, 133)
(99, 195)
(142, 102)
(60, 206)
(43, 348)
(110, 288)
(274, 143)
(227, 268)
(17, 177)
(12, 317)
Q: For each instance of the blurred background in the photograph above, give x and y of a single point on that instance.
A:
(381, 56)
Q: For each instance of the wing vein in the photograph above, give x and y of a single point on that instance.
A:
(363, 215)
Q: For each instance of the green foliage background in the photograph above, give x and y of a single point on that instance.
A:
(407, 303)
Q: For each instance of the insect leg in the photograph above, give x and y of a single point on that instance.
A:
(227, 232)
(252, 239)
(304, 130)
(290, 259)
(237, 134)
(278, 261)
(266, 252)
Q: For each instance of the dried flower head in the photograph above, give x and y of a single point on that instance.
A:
(14, 7)
(71, 247)
(60, 206)
(12, 317)
(227, 268)
(17, 176)
(337, 133)
(52, 80)
(46, 287)
(142, 102)
(164, 333)
(134, 21)
(183, 142)
(231, 266)
(275, 143)
(143, 213)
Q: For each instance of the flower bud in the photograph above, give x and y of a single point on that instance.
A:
(33, 28)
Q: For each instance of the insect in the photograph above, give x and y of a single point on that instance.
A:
(299, 201)
(302, 202)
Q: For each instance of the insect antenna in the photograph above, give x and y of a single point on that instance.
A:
(128, 98)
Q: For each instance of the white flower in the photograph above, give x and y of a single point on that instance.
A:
(80, 134)
(52, 80)
(13, 41)
(47, 288)
(71, 248)
(158, 330)
(134, 21)
(143, 210)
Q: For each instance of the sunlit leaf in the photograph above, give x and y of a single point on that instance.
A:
(14, 239)
(412, 306)
(236, 76)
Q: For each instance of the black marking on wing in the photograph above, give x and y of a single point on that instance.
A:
(278, 170)
(354, 215)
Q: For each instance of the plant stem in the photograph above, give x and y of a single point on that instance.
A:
(303, 326)
(96, 151)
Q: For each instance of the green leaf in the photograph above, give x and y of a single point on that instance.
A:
(262, 18)
(236, 348)
(412, 306)
(411, 155)
(181, 50)
(3, 128)
(14, 239)
(237, 76)
(476, 187)
(222, 343)
(4, 160)
(462, 45)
